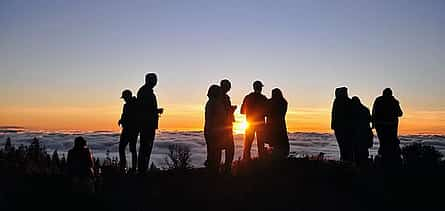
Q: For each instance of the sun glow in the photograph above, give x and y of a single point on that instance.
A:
(240, 126)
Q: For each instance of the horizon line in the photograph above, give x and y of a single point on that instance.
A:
(18, 129)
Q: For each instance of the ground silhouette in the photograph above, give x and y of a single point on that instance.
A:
(308, 183)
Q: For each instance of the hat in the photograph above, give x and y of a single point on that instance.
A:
(126, 93)
(257, 84)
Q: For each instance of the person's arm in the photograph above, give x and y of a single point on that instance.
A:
(123, 115)
(243, 106)
(265, 106)
(154, 104)
(373, 115)
(369, 116)
(399, 110)
(139, 94)
(285, 108)
(333, 115)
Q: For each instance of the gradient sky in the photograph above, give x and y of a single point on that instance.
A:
(64, 63)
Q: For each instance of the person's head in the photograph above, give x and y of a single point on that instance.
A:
(214, 91)
(127, 95)
(355, 100)
(341, 92)
(257, 86)
(80, 142)
(225, 85)
(277, 94)
(151, 79)
(387, 92)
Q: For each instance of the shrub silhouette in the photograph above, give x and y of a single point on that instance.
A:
(178, 157)
(421, 156)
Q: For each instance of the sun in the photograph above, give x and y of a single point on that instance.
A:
(240, 126)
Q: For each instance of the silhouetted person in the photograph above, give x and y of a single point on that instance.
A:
(129, 134)
(227, 143)
(254, 107)
(385, 118)
(148, 120)
(276, 124)
(362, 133)
(80, 166)
(213, 127)
(341, 123)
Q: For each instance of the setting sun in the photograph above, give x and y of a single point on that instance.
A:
(240, 126)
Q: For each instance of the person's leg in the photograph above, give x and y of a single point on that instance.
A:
(230, 152)
(151, 139)
(349, 147)
(218, 156)
(389, 147)
(260, 140)
(208, 147)
(122, 146)
(356, 149)
(339, 136)
(384, 143)
(248, 139)
(134, 157)
(286, 149)
(211, 152)
(395, 145)
(380, 137)
(145, 147)
(142, 145)
(364, 156)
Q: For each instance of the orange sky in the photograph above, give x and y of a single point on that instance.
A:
(190, 117)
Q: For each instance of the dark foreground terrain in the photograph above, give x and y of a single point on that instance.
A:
(294, 184)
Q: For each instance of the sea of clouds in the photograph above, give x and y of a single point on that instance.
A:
(100, 142)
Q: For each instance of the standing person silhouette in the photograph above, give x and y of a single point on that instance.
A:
(129, 134)
(276, 124)
(213, 129)
(362, 133)
(254, 107)
(341, 123)
(148, 120)
(227, 142)
(80, 166)
(385, 119)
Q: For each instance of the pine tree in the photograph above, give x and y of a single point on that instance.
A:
(55, 159)
(8, 145)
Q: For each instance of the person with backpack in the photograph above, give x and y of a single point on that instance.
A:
(129, 134)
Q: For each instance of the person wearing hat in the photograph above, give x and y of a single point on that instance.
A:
(254, 107)
(129, 134)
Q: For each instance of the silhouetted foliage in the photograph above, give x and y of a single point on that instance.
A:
(178, 157)
(421, 156)
(307, 183)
